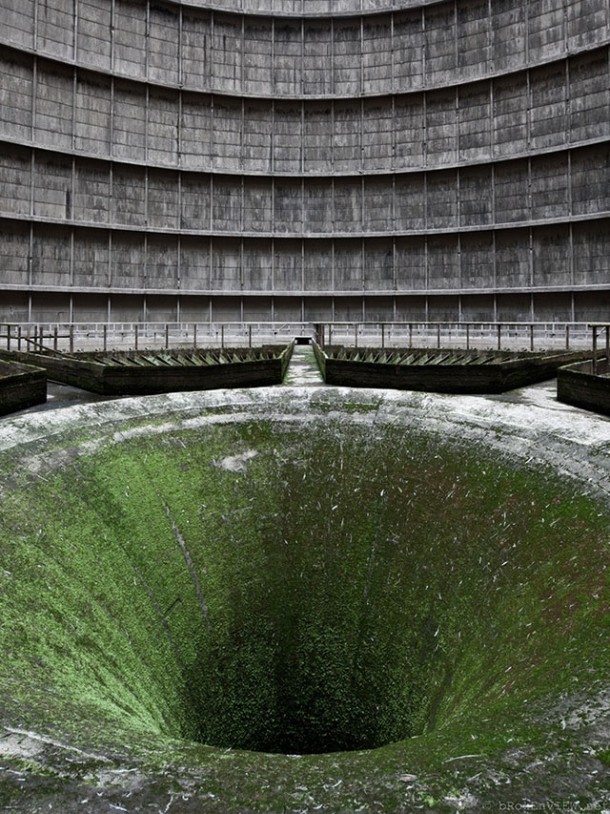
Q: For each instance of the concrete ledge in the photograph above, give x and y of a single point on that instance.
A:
(21, 386)
(579, 386)
(440, 371)
(148, 372)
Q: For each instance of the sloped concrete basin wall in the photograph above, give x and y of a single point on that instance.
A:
(303, 599)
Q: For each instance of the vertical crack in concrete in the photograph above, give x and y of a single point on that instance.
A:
(163, 615)
(189, 564)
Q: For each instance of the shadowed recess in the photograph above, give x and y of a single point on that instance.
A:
(270, 588)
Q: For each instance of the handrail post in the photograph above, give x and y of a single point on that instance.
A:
(567, 336)
(105, 335)
(71, 332)
(135, 335)
(499, 336)
(594, 347)
(166, 335)
(438, 335)
(382, 335)
(194, 334)
(222, 336)
(467, 336)
(531, 336)
(19, 337)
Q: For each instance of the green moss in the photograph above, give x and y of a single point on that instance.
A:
(261, 587)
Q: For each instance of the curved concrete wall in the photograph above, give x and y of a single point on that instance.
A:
(173, 161)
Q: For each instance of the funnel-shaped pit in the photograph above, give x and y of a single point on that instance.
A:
(291, 588)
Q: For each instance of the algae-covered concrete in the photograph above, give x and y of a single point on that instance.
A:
(305, 599)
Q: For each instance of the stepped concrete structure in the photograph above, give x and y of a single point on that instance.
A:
(304, 160)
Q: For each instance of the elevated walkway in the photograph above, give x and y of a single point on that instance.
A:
(303, 370)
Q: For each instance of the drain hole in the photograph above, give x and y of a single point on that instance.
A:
(265, 587)
(290, 686)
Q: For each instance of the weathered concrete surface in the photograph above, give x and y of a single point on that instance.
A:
(21, 386)
(148, 372)
(413, 160)
(303, 370)
(528, 425)
(585, 385)
(528, 422)
(440, 371)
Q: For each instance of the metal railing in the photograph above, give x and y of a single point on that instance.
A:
(600, 363)
(71, 337)
(528, 336)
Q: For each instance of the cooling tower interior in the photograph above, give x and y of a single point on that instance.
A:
(304, 160)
